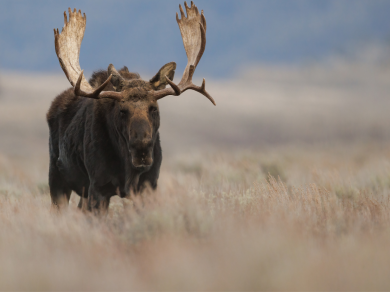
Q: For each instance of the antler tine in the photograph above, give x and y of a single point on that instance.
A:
(201, 89)
(65, 18)
(187, 8)
(67, 45)
(96, 94)
(175, 88)
(193, 32)
(182, 12)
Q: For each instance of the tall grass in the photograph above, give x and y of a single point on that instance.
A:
(215, 223)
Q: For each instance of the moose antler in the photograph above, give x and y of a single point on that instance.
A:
(67, 44)
(193, 33)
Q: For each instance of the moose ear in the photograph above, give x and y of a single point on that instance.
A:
(159, 81)
(116, 80)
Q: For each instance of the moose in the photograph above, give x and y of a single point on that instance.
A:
(104, 134)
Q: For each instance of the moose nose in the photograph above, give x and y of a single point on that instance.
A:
(140, 131)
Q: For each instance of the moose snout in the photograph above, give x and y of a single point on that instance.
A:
(142, 160)
(141, 157)
(141, 143)
(140, 131)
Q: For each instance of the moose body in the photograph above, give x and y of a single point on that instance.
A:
(104, 138)
(89, 148)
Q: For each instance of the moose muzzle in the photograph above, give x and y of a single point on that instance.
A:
(141, 143)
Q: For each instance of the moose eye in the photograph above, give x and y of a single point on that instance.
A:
(153, 109)
(123, 113)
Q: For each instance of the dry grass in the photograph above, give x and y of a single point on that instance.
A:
(287, 215)
(216, 222)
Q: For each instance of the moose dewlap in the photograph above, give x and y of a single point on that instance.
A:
(104, 138)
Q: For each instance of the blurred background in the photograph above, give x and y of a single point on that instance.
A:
(281, 72)
(144, 34)
(284, 185)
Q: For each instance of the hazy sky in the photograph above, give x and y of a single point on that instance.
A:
(144, 34)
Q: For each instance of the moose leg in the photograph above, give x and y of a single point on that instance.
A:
(99, 198)
(59, 191)
(83, 203)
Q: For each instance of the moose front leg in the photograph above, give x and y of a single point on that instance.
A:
(99, 198)
(59, 191)
(82, 203)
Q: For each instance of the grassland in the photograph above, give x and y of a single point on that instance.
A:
(284, 185)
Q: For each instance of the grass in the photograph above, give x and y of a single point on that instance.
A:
(223, 224)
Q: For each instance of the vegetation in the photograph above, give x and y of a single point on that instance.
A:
(223, 223)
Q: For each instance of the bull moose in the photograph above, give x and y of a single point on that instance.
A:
(104, 134)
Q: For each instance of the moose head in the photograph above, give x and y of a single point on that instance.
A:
(136, 110)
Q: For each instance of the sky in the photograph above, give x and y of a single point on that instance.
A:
(144, 35)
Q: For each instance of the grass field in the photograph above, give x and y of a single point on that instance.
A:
(284, 185)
